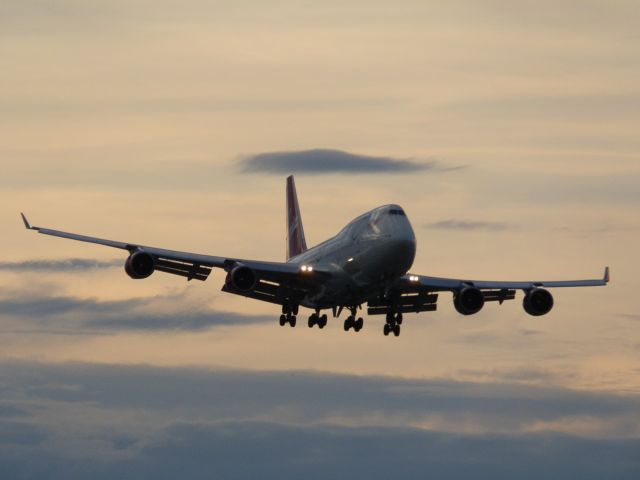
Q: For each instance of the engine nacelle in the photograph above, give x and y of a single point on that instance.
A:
(139, 265)
(468, 301)
(537, 301)
(242, 278)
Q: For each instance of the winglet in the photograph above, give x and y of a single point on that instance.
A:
(606, 275)
(27, 225)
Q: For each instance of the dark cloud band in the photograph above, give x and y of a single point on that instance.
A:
(318, 161)
(64, 265)
(81, 316)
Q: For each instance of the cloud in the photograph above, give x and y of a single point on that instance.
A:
(302, 424)
(80, 316)
(20, 433)
(313, 398)
(63, 265)
(318, 161)
(470, 225)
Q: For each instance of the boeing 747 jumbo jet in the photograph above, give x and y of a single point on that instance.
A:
(365, 264)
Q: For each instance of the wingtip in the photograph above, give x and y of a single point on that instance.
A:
(27, 225)
(606, 274)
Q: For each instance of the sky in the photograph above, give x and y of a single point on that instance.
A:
(508, 131)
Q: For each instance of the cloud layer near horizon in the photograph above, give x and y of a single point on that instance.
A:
(286, 423)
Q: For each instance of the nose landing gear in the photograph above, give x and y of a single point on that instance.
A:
(288, 315)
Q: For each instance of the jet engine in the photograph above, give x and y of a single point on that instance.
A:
(537, 301)
(139, 265)
(242, 278)
(468, 300)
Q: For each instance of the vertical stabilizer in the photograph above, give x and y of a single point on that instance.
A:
(296, 243)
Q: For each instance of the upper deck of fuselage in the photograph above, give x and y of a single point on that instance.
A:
(385, 222)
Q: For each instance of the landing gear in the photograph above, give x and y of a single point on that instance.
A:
(393, 324)
(351, 322)
(317, 319)
(288, 315)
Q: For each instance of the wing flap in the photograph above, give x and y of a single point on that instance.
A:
(265, 291)
(192, 271)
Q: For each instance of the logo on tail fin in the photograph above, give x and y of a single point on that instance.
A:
(296, 243)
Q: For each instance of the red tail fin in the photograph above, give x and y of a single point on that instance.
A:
(296, 243)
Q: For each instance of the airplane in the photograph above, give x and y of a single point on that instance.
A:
(367, 262)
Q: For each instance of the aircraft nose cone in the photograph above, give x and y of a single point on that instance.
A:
(404, 252)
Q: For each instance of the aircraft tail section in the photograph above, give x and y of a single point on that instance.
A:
(296, 243)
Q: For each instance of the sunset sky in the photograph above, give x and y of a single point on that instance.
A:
(508, 131)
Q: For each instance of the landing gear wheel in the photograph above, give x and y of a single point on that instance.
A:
(357, 326)
(283, 320)
(387, 329)
(396, 330)
(313, 319)
(322, 322)
(348, 323)
(291, 320)
(399, 319)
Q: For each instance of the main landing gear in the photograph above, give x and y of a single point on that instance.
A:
(317, 319)
(288, 315)
(393, 324)
(351, 322)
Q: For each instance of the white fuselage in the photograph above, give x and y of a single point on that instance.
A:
(372, 251)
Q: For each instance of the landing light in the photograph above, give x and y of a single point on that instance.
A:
(306, 268)
(413, 278)
(350, 259)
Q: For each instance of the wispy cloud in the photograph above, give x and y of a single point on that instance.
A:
(80, 316)
(319, 161)
(63, 265)
(470, 225)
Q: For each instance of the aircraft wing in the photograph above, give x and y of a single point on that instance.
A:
(419, 293)
(451, 284)
(193, 265)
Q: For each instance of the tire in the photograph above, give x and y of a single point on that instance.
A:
(292, 321)
(359, 324)
(349, 323)
(283, 320)
(396, 330)
(386, 330)
(323, 321)
(399, 319)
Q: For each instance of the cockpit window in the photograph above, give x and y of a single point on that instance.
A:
(396, 211)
